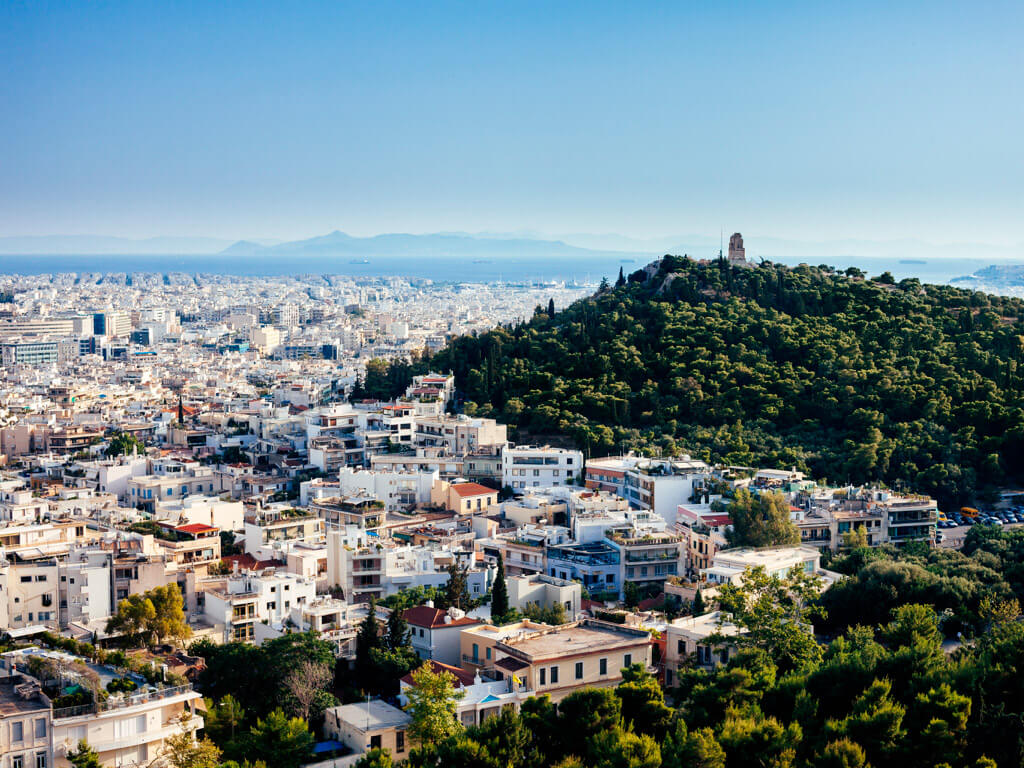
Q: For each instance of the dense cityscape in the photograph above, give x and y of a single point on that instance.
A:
(201, 475)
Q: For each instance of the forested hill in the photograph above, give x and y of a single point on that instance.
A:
(844, 377)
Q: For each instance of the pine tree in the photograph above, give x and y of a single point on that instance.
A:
(698, 604)
(367, 639)
(551, 307)
(398, 631)
(499, 594)
(622, 279)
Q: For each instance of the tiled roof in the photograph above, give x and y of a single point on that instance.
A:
(472, 489)
(462, 677)
(424, 616)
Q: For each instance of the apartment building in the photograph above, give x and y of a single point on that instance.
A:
(477, 644)
(561, 660)
(399, 490)
(270, 532)
(480, 698)
(171, 481)
(364, 511)
(25, 724)
(544, 591)
(529, 466)
(248, 598)
(730, 565)
(29, 595)
(126, 729)
(463, 497)
(461, 435)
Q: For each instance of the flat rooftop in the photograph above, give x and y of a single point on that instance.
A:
(13, 703)
(371, 716)
(571, 640)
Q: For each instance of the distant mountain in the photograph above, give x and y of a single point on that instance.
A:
(103, 244)
(338, 244)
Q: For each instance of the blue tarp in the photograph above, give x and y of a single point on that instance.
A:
(327, 746)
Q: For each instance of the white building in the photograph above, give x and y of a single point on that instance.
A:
(250, 598)
(527, 466)
(398, 490)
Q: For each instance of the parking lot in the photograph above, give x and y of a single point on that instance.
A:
(953, 538)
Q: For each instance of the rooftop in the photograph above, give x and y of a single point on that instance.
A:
(371, 716)
(587, 636)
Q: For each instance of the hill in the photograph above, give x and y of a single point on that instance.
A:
(843, 377)
(338, 244)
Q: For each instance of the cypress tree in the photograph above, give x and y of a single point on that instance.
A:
(698, 604)
(499, 594)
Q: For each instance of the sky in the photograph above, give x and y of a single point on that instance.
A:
(285, 120)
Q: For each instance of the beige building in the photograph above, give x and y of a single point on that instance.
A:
(370, 725)
(25, 724)
(687, 643)
(560, 660)
(464, 498)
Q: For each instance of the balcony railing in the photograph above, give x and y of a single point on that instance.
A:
(122, 703)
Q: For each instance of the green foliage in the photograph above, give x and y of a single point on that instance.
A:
(84, 756)
(375, 758)
(279, 741)
(840, 377)
(123, 443)
(433, 700)
(499, 594)
(761, 520)
(775, 614)
(553, 614)
(152, 616)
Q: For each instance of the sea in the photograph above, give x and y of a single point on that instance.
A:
(581, 270)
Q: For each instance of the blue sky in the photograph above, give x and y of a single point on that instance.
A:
(243, 119)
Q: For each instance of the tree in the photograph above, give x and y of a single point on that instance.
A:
(643, 702)
(84, 756)
(843, 754)
(775, 615)
(551, 307)
(153, 616)
(621, 280)
(456, 591)
(367, 639)
(692, 749)
(182, 750)
(397, 631)
(433, 701)
(279, 741)
(631, 595)
(375, 758)
(855, 538)
(698, 604)
(228, 714)
(305, 682)
(761, 520)
(123, 443)
(499, 594)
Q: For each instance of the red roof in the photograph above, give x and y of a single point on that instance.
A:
(472, 489)
(424, 616)
(716, 520)
(462, 677)
(196, 528)
(248, 562)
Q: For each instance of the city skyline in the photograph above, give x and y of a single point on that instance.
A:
(271, 122)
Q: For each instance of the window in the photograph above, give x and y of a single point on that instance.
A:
(542, 679)
(18, 761)
(476, 652)
(375, 742)
(399, 741)
(41, 577)
(554, 675)
(579, 670)
(26, 579)
(488, 652)
(40, 760)
(602, 666)
(40, 727)
(627, 660)
(681, 647)
(17, 732)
